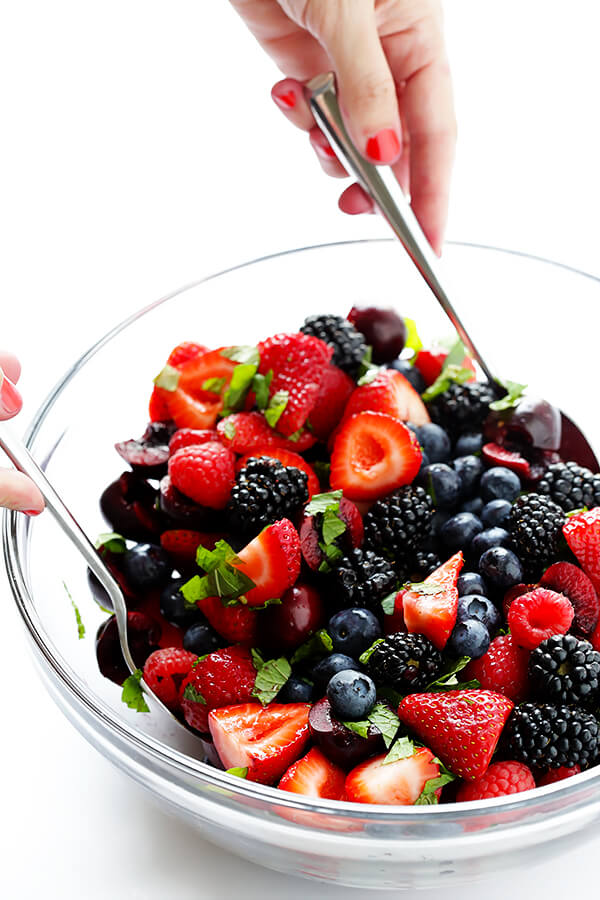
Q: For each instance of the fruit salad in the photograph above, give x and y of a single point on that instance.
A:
(356, 570)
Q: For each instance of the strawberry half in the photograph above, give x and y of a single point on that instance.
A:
(158, 407)
(430, 362)
(568, 579)
(582, 533)
(272, 561)
(184, 352)
(334, 393)
(220, 679)
(243, 432)
(434, 614)
(265, 740)
(461, 727)
(373, 454)
(314, 776)
(288, 458)
(182, 543)
(189, 402)
(237, 623)
(399, 783)
(391, 393)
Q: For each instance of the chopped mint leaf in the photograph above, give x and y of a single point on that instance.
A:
(322, 470)
(277, 404)
(332, 526)
(111, 541)
(448, 681)
(260, 386)
(320, 503)
(388, 604)
(425, 587)
(168, 378)
(401, 749)
(242, 354)
(360, 728)
(257, 659)
(370, 374)
(229, 430)
(270, 678)
(577, 512)
(222, 579)
(318, 645)
(295, 437)
(368, 357)
(366, 656)
(331, 551)
(241, 382)
(239, 771)
(191, 693)
(209, 560)
(78, 619)
(386, 722)
(514, 392)
(413, 341)
(448, 375)
(132, 694)
(428, 796)
(214, 385)
(456, 355)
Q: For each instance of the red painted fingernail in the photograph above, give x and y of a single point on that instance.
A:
(320, 144)
(384, 147)
(285, 100)
(10, 399)
(32, 512)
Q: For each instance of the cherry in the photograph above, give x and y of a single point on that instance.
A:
(149, 454)
(128, 504)
(351, 538)
(183, 512)
(534, 422)
(342, 746)
(383, 329)
(289, 624)
(144, 635)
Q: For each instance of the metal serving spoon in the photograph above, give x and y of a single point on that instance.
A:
(387, 195)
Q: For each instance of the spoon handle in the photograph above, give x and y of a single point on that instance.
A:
(380, 184)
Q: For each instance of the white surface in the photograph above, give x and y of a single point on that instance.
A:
(141, 150)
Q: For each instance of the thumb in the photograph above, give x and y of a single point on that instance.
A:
(348, 31)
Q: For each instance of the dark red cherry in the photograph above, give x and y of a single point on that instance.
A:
(383, 329)
(144, 635)
(533, 422)
(342, 746)
(289, 624)
(128, 504)
(183, 512)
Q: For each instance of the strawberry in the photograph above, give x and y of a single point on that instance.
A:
(271, 561)
(554, 775)
(288, 458)
(398, 783)
(391, 393)
(298, 362)
(311, 537)
(191, 404)
(430, 362)
(538, 615)
(158, 408)
(461, 727)
(237, 623)
(501, 779)
(188, 411)
(503, 669)
(568, 579)
(164, 670)
(373, 454)
(206, 473)
(245, 431)
(582, 533)
(434, 614)
(394, 622)
(191, 437)
(184, 352)
(314, 776)
(223, 677)
(182, 543)
(265, 740)
(334, 393)
(495, 455)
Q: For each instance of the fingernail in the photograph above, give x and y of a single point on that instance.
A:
(10, 399)
(321, 145)
(32, 512)
(285, 99)
(384, 147)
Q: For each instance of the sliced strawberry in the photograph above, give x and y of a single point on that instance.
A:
(288, 458)
(399, 783)
(245, 431)
(191, 404)
(237, 624)
(182, 543)
(430, 362)
(495, 455)
(568, 579)
(461, 727)
(223, 677)
(188, 412)
(582, 533)
(391, 393)
(434, 614)
(272, 561)
(158, 408)
(314, 776)
(265, 740)
(298, 362)
(394, 622)
(184, 352)
(373, 455)
(334, 393)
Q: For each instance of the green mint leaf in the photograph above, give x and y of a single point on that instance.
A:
(239, 386)
(366, 656)
(401, 749)
(386, 722)
(331, 551)
(388, 604)
(318, 645)
(514, 393)
(222, 579)
(277, 404)
(195, 589)
(332, 526)
(369, 375)
(456, 355)
(132, 694)
(261, 385)
(448, 376)
(448, 680)
(209, 560)
(239, 771)
(295, 437)
(320, 503)
(191, 693)
(577, 512)
(428, 796)
(242, 354)
(322, 470)
(78, 619)
(270, 678)
(360, 728)
(426, 799)
(214, 385)
(168, 378)
(426, 588)
(111, 541)
(257, 659)
(230, 583)
(229, 430)
(413, 341)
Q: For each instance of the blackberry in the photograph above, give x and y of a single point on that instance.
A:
(552, 736)
(396, 525)
(363, 579)
(535, 525)
(462, 407)
(570, 486)
(564, 669)
(423, 563)
(406, 662)
(348, 344)
(265, 490)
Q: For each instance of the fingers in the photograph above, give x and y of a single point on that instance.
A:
(289, 97)
(10, 366)
(18, 492)
(326, 156)
(354, 201)
(10, 399)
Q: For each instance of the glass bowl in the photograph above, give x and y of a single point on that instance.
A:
(522, 311)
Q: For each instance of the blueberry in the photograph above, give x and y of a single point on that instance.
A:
(496, 512)
(353, 631)
(295, 690)
(501, 567)
(326, 668)
(469, 638)
(200, 638)
(352, 695)
(146, 566)
(468, 444)
(439, 519)
(471, 583)
(435, 442)
(442, 484)
(481, 608)
(410, 373)
(474, 505)
(459, 531)
(500, 484)
(485, 540)
(469, 470)
(173, 608)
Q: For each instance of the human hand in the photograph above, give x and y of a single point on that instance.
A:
(16, 490)
(394, 83)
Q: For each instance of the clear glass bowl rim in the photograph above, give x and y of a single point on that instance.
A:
(187, 766)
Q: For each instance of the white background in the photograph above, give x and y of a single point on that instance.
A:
(139, 151)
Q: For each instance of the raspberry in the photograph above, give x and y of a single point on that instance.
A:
(222, 678)
(184, 352)
(502, 669)
(501, 779)
(191, 437)
(205, 473)
(538, 615)
(164, 670)
(554, 775)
